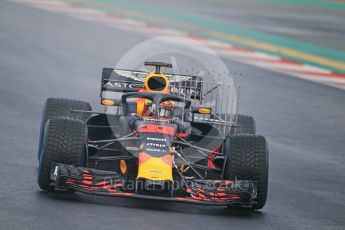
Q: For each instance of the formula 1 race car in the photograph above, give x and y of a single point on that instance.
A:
(162, 136)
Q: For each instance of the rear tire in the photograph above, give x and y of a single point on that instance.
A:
(60, 107)
(245, 125)
(247, 159)
(64, 142)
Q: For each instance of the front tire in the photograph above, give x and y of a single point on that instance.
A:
(61, 107)
(64, 142)
(247, 159)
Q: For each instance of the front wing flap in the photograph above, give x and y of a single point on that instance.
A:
(107, 183)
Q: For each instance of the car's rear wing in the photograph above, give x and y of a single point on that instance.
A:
(116, 81)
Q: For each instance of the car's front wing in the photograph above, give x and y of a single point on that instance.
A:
(107, 183)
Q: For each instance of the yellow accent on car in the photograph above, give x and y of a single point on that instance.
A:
(140, 106)
(157, 75)
(205, 111)
(155, 169)
(123, 166)
(141, 101)
(107, 102)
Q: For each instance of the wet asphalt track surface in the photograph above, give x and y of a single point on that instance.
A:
(43, 54)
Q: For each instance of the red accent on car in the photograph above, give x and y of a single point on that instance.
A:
(143, 157)
(151, 128)
(211, 157)
(136, 133)
(168, 159)
(182, 134)
(210, 163)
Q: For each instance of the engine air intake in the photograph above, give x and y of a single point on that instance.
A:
(156, 83)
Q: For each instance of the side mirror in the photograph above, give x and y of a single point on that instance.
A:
(201, 110)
